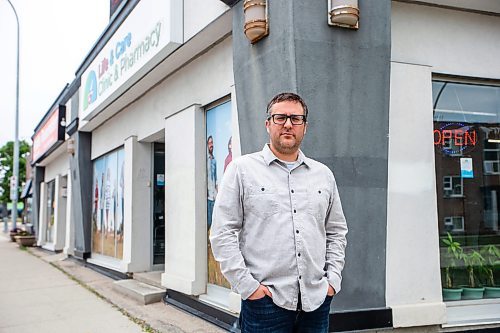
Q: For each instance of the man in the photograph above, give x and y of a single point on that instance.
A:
(279, 232)
(212, 180)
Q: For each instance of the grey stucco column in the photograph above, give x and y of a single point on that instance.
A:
(343, 75)
(81, 198)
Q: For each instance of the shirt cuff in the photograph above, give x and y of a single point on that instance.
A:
(247, 287)
(334, 280)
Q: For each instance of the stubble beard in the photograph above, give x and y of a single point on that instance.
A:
(286, 148)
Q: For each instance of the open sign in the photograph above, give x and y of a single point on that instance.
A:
(455, 138)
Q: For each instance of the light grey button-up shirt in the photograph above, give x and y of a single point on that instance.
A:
(281, 228)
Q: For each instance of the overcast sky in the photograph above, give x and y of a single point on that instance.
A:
(56, 35)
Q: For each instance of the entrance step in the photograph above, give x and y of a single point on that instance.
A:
(151, 278)
(141, 292)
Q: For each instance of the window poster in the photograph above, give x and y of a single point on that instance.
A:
(107, 207)
(219, 155)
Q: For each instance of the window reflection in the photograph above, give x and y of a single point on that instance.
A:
(468, 201)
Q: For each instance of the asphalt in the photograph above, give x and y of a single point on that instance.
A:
(41, 291)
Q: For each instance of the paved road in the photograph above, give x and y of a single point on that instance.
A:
(36, 297)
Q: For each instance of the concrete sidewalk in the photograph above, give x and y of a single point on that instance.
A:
(45, 292)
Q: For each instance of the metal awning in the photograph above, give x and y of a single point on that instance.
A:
(26, 190)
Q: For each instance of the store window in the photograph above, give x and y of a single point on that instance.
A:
(219, 155)
(467, 157)
(51, 203)
(108, 204)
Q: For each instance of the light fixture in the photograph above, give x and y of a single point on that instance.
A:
(70, 148)
(343, 13)
(256, 21)
(63, 122)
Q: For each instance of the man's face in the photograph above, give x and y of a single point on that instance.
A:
(210, 146)
(286, 138)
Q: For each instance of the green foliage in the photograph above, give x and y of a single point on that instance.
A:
(7, 165)
(473, 260)
(491, 254)
(454, 254)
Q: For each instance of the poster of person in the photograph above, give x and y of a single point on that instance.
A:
(98, 205)
(219, 155)
(110, 190)
(120, 204)
(107, 205)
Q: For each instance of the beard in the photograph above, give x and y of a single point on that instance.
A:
(286, 146)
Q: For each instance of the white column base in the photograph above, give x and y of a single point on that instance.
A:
(185, 286)
(419, 314)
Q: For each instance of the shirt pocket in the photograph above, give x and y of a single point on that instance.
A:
(262, 202)
(319, 200)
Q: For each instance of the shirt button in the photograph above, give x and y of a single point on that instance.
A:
(262, 189)
(300, 277)
(299, 254)
(294, 211)
(292, 191)
(297, 231)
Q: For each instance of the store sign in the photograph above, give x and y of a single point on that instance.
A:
(153, 27)
(49, 133)
(455, 138)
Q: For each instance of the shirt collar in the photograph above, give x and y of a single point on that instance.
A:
(269, 156)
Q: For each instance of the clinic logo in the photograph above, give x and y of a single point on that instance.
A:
(90, 92)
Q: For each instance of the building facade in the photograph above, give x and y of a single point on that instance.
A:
(405, 110)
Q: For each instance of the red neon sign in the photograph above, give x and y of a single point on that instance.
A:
(455, 138)
(458, 136)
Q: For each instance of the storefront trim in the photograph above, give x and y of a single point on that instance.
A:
(339, 322)
(107, 262)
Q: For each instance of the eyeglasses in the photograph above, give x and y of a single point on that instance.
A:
(295, 119)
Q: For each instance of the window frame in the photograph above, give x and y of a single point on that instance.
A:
(452, 186)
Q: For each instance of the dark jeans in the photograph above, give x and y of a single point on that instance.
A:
(210, 211)
(263, 316)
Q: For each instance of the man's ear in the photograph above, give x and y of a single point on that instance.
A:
(267, 126)
(305, 129)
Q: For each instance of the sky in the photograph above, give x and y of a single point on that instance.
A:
(55, 37)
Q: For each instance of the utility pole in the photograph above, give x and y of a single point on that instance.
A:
(15, 180)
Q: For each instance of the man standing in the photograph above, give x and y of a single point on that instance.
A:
(279, 232)
(211, 180)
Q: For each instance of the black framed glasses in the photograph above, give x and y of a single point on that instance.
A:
(295, 119)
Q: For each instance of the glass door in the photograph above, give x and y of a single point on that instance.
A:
(49, 231)
(159, 204)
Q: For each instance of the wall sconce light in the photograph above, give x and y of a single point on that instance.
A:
(70, 148)
(343, 13)
(256, 21)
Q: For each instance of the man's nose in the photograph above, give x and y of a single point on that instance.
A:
(288, 122)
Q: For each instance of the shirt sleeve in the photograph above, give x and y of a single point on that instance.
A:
(336, 231)
(227, 222)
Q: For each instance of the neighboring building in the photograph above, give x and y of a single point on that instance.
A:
(405, 110)
(50, 177)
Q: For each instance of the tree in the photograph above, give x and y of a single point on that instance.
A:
(7, 167)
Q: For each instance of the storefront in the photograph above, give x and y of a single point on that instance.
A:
(443, 167)
(51, 161)
(405, 110)
(143, 100)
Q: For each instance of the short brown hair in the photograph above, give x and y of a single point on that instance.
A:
(286, 96)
